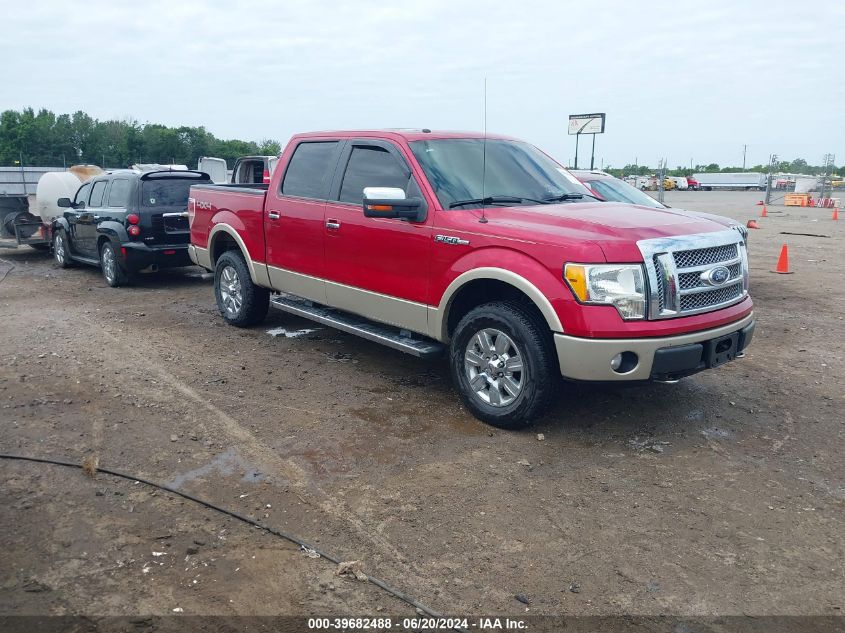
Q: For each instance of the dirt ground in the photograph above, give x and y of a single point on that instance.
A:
(723, 494)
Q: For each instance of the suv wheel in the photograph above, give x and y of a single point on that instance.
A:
(239, 300)
(112, 269)
(61, 250)
(503, 364)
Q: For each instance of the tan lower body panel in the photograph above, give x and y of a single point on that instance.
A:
(305, 286)
(372, 305)
(200, 256)
(382, 308)
(589, 359)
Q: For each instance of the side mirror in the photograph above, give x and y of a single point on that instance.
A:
(390, 202)
(64, 203)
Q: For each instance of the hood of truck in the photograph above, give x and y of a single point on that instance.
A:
(615, 227)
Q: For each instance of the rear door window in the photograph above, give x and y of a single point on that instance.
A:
(97, 193)
(310, 170)
(370, 166)
(119, 193)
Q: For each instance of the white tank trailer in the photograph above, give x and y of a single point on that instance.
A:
(22, 222)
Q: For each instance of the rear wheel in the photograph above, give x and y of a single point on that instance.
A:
(61, 249)
(503, 364)
(240, 301)
(113, 271)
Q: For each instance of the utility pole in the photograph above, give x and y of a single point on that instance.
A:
(23, 173)
(661, 175)
(772, 161)
(744, 147)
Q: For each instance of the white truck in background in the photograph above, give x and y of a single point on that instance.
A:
(248, 170)
(748, 181)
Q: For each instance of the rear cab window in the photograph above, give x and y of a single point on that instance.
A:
(310, 170)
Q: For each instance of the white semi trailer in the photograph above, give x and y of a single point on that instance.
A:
(719, 180)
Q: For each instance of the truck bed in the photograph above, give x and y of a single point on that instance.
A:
(238, 205)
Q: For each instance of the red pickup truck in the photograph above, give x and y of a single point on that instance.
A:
(483, 246)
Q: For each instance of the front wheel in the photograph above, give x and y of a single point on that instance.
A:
(61, 249)
(503, 364)
(240, 301)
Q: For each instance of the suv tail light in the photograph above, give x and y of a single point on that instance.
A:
(134, 230)
(133, 218)
(266, 176)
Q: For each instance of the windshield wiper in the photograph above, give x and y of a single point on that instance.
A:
(569, 196)
(487, 200)
(498, 200)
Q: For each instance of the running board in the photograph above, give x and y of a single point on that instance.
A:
(359, 326)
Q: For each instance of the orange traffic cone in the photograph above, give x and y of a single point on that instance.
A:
(783, 262)
(764, 214)
(752, 224)
(835, 213)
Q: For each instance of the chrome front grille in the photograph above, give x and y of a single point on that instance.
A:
(686, 273)
(710, 298)
(705, 256)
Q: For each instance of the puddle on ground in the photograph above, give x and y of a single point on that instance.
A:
(223, 464)
(715, 433)
(281, 331)
(394, 415)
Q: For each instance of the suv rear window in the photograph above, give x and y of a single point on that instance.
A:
(167, 192)
(310, 169)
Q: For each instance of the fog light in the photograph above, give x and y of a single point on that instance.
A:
(624, 362)
(616, 362)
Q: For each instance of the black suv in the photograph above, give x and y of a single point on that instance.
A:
(126, 222)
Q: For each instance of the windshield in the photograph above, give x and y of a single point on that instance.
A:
(167, 192)
(513, 169)
(620, 191)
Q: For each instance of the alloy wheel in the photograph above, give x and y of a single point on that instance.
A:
(231, 293)
(494, 367)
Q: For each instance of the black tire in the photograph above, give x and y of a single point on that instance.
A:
(111, 266)
(533, 350)
(239, 300)
(61, 249)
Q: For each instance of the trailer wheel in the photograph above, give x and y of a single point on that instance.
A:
(61, 249)
(503, 364)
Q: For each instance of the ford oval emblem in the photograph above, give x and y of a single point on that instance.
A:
(716, 276)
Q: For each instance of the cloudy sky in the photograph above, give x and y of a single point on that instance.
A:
(685, 80)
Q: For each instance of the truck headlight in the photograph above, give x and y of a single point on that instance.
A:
(619, 285)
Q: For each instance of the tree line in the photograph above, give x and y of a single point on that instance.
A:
(45, 139)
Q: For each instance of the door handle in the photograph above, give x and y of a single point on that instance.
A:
(273, 215)
(332, 225)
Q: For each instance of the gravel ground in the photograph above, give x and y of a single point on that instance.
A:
(721, 495)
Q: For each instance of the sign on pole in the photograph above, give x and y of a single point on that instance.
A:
(586, 123)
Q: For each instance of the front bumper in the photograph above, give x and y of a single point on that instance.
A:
(664, 358)
(139, 256)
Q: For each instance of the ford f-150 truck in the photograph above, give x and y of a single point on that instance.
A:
(483, 246)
